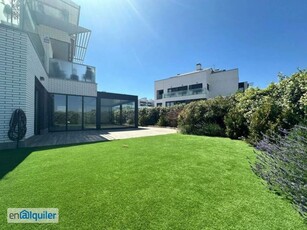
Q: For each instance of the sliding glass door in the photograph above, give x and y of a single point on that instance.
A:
(74, 113)
(58, 113)
(69, 112)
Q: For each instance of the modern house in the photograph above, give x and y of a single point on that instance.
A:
(197, 85)
(42, 48)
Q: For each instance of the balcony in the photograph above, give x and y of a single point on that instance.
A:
(183, 93)
(71, 71)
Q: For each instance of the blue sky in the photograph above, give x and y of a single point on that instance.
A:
(135, 42)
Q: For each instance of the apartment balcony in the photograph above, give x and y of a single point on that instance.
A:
(65, 70)
(184, 93)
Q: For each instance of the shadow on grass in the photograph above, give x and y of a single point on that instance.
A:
(11, 158)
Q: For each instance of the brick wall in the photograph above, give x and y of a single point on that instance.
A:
(19, 64)
(13, 69)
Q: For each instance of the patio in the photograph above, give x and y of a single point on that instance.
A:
(78, 137)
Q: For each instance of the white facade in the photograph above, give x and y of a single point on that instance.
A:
(200, 84)
(27, 48)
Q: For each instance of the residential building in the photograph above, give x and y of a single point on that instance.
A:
(145, 103)
(42, 50)
(197, 85)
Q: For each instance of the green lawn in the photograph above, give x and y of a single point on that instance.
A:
(163, 182)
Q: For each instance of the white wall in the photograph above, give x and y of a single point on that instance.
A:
(182, 80)
(223, 83)
(13, 70)
(72, 87)
(19, 64)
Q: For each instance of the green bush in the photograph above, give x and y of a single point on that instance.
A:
(280, 106)
(161, 116)
(265, 120)
(236, 124)
(205, 117)
(149, 116)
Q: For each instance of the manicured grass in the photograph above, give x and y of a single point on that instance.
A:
(162, 182)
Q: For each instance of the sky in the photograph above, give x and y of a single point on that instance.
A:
(135, 42)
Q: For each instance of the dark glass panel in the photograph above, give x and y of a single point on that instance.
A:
(58, 113)
(89, 112)
(74, 113)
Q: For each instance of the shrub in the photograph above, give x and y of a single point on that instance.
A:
(280, 106)
(282, 163)
(236, 124)
(172, 115)
(265, 120)
(205, 117)
(212, 129)
(162, 116)
(148, 116)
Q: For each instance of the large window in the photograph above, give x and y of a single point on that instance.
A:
(116, 113)
(70, 112)
(74, 113)
(89, 112)
(58, 113)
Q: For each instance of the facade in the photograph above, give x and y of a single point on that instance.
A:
(42, 72)
(198, 85)
(145, 103)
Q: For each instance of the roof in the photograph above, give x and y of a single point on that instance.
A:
(184, 74)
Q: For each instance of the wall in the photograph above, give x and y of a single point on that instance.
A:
(72, 87)
(34, 68)
(182, 80)
(223, 83)
(13, 69)
(19, 64)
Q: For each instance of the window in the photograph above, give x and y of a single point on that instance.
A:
(176, 89)
(159, 94)
(196, 86)
(168, 104)
(58, 113)
(89, 112)
(159, 104)
(116, 113)
(208, 87)
(74, 113)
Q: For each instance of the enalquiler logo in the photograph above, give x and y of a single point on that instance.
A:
(33, 215)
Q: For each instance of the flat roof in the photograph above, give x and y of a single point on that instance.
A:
(197, 71)
(184, 74)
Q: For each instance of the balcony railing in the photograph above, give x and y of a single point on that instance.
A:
(185, 93)
(71, 71)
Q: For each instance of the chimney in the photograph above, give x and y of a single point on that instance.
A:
(198, 67)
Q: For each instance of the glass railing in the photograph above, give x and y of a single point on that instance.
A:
(185, 93)
(59, 9)
(61, 69)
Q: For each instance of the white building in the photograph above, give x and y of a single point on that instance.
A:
(42, 50)
(196, 85)
(145, 103)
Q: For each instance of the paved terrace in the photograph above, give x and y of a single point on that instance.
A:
(77, 137)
